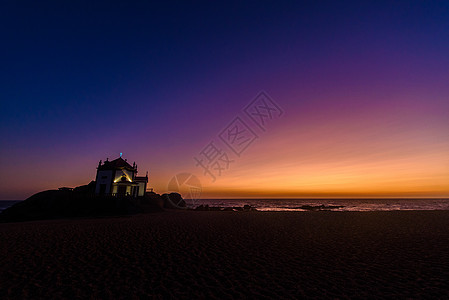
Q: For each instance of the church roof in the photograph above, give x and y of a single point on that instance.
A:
(115, 164)
(141, 179)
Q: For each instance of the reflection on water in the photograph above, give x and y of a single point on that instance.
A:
(295, 204)
(348, 204)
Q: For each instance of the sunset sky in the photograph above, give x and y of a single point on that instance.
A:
(362, 88)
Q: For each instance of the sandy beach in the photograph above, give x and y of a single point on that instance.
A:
(187, 254)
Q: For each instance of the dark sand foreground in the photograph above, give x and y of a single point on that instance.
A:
(229, 255)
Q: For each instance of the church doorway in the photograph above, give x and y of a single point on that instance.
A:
(121, 191)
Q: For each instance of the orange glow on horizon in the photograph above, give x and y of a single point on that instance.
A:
(378, 157)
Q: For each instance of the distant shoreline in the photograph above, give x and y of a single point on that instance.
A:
(307, 204)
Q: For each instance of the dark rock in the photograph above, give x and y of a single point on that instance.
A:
(173, 201)
(55, 204)
(203, 208)
(86, 189)
(151, 202)
(321, 207)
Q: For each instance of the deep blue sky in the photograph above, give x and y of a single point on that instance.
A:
(84, 80)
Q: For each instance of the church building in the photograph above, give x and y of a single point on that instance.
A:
(119, 178)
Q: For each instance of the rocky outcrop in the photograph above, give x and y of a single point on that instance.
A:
(64, 203)
(321, 207)
(151, 202)
(81, 202)
(173, 201)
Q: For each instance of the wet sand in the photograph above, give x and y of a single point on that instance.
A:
(229, 255)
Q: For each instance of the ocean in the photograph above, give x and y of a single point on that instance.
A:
(329, 204)
(306, 204)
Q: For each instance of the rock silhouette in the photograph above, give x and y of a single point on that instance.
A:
(81, 202)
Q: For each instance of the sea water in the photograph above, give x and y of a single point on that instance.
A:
(296, 204)
(339, 204)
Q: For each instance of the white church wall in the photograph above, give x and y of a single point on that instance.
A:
(142, 187)
(104, 177)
